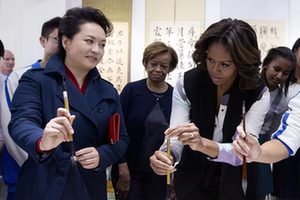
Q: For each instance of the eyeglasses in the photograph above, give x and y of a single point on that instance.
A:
(153, 65)
(54, 39)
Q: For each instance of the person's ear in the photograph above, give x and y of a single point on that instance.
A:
(43, 41)
(65, 42)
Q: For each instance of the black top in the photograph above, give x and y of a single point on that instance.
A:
(195, 172)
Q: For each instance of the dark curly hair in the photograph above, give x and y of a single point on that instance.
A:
(296, 45)
(241, 41)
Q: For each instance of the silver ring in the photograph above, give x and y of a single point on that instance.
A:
(191, 135)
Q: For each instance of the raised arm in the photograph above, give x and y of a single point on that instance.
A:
(285, 142)
(269, 152)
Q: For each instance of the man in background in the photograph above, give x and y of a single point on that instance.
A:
(1, 138)
(2, 78)
(13, 156)
(7, 63)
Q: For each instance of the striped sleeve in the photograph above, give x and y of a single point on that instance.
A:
(289, 130)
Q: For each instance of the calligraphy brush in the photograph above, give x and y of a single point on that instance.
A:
(168, 171)
(244, 168)
(69, 136)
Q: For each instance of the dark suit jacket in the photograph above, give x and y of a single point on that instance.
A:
(35, 103)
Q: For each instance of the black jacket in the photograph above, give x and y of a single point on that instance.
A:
(195, 172)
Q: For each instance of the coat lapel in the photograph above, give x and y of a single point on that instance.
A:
(76, 100)
(95, 92)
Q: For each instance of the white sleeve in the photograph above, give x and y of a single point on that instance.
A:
(13, 81)
(180, 115)
(227, 155)
(289, 130)
(256, 114)
(254, 120)
(15, 151)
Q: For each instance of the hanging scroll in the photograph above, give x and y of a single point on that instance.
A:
(114, 65)
(182, 37)
(269, 34)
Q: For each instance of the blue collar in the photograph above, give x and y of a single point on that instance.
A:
(36, 65)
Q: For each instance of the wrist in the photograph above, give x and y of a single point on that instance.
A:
(39, 147)
(202, 145)
(209, 148)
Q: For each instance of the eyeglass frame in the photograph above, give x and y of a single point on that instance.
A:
(54, 39)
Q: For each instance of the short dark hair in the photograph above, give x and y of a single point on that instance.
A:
(49, 26)
(285, 53)
(296, 45)
(1, 49)
(241, 41)
(75, 17)
(156, 48)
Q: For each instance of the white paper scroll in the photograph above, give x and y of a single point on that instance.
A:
(114, 65)
(182, 36)
(270, 33)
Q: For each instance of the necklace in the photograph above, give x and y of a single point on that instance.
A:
(157, 88)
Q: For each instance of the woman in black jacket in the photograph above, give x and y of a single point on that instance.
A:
(207, 107)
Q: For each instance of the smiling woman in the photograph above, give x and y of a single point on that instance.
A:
(41, 125)
(84, 50)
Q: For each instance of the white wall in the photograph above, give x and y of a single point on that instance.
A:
(287, 10)
(138, 39)
(294, 28)
(21, 22)
(215, 10)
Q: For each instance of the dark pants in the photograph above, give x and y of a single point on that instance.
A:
(205, 194)
(147, 186)
(10, 173)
